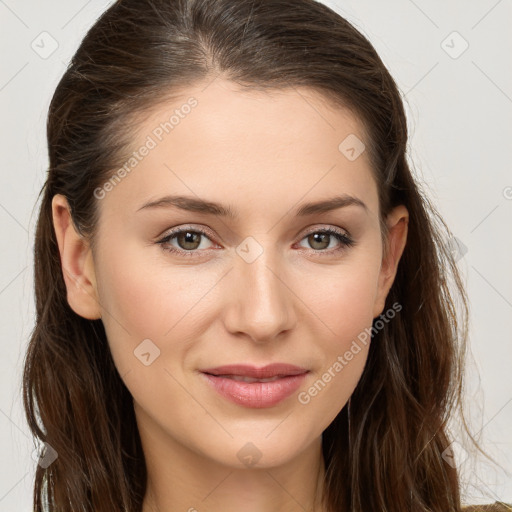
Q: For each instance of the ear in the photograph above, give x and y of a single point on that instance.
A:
(396, 222)
(76, 261)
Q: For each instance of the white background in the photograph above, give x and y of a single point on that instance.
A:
(459, 112)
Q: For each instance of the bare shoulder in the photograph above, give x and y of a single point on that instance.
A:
(498, 506)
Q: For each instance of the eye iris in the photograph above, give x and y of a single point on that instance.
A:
(186, 238)
(317, 237)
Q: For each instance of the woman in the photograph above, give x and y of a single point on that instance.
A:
(243, 299)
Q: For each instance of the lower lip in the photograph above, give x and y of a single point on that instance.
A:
(256, 394)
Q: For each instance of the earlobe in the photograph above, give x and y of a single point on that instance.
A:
(397, 223)
(76, 262)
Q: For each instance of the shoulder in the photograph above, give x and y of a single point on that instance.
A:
(498, 506)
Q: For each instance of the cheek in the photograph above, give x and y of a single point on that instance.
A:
(143, 292)
(342, 303)
(148, 298)
(342, 297)
(346, 314)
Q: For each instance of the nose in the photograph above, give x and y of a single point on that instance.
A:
(261, 302)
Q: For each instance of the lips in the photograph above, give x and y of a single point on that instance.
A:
(250, 386)
(248, 373)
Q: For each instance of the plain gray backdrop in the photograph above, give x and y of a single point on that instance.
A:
(450, 59)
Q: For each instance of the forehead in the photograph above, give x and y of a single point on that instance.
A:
(258, 147)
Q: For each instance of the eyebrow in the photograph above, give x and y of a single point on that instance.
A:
(193, 204)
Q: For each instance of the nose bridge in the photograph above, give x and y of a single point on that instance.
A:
(262, 304)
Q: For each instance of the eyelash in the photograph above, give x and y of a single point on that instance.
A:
(345, 240)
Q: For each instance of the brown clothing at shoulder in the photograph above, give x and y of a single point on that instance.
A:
(494, 507)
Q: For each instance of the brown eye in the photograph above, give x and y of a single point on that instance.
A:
(320, 240)
(187, 241)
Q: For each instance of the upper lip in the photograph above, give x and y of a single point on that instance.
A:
(264, 372)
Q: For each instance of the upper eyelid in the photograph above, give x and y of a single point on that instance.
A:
(176, 231)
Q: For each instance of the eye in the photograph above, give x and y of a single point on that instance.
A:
(188, 241)
(320, 240)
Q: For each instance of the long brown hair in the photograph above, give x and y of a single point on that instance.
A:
(386, 453)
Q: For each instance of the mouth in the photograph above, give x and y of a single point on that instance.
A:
(249, 373)
(256, 387)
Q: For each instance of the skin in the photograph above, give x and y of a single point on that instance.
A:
(263, 154)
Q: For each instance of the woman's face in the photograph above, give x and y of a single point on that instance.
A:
(264, 284)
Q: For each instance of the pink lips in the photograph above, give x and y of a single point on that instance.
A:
(256, 394)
